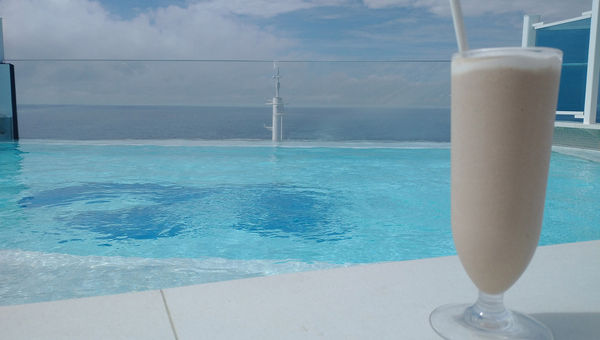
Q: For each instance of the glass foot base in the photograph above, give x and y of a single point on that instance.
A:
(453, 322)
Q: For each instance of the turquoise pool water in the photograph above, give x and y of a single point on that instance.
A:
(79, 219)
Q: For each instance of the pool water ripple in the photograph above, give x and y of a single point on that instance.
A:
(74, 214)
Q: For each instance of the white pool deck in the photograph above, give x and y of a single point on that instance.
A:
(391, 300)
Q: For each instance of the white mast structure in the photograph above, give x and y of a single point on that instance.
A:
(277, 102)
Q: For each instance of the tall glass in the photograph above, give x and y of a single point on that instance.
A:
(503, 110)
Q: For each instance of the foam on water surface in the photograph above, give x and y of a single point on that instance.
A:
(531, 59)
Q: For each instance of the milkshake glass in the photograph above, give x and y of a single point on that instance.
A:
(503, 111)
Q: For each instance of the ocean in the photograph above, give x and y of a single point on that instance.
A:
(84, 122)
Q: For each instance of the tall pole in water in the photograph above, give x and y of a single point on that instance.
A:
(277, 127)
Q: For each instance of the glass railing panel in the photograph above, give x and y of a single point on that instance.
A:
(323, 100)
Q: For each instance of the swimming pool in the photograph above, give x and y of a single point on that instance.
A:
(92, 218)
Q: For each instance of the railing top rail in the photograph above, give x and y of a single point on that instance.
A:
(229, 60)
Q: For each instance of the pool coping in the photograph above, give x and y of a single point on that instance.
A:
(375, 301)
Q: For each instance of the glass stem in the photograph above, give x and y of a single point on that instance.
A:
(489, 313)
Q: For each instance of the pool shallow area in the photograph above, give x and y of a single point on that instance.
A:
(93, 218)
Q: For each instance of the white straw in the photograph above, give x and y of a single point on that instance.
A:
(459, 25)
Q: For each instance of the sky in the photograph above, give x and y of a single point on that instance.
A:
(286, 30)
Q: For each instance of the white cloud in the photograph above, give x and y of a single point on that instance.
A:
(83, 29)
(368, 84)
(551, 9)
(200, 30)
(66, 29)
(268, 8)
(387, 3)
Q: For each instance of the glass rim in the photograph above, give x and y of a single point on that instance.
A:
(507, 51)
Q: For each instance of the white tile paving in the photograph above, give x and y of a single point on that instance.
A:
(378, 301)
(127, 316)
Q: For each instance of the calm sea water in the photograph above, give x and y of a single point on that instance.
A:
(216, 123)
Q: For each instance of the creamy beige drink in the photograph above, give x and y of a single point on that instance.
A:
(503, 110)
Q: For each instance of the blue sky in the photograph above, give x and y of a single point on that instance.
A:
(338, 29)
(252, 29)
(355, 30)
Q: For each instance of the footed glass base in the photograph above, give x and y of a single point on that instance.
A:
(454, 322)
